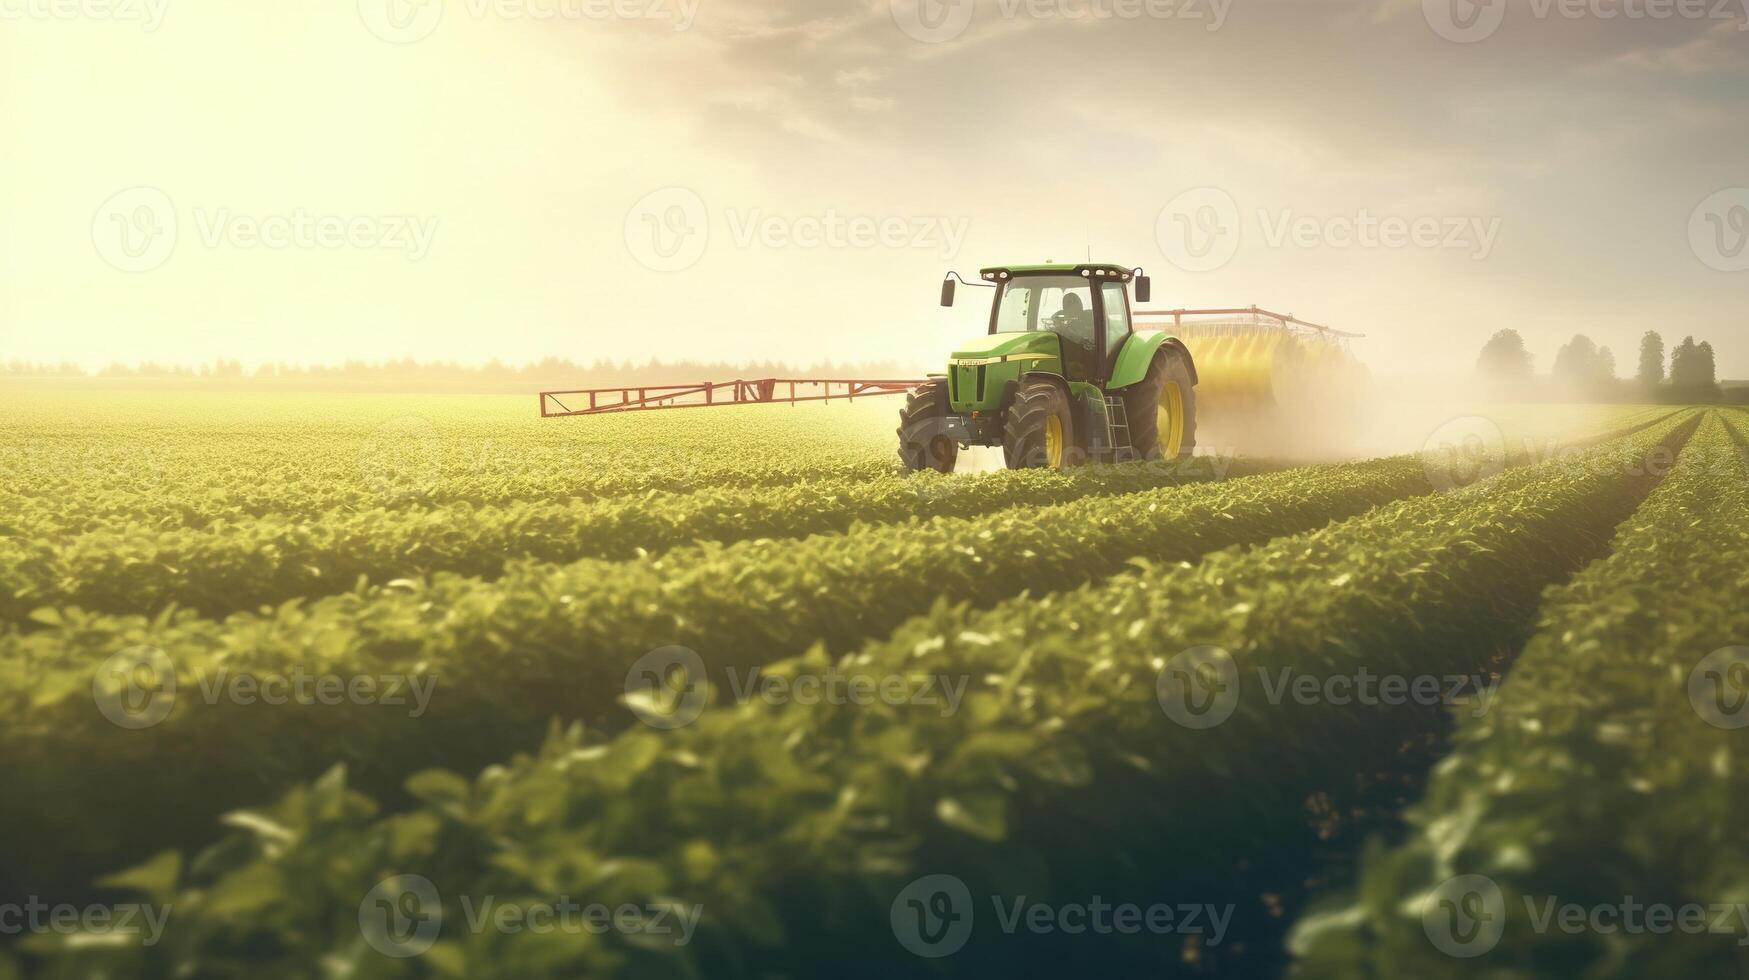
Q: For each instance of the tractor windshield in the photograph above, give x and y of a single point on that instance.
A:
(1061, 304)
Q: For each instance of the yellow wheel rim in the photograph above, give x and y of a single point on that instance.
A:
(1169, 420)
(1054, 442)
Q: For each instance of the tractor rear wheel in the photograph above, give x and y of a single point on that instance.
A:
(1162, 409)
(924, 442)
(1039, 429)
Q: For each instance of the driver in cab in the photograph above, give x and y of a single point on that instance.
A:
(1075, 325)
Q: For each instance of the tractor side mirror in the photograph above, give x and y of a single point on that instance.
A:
(1144, 289)
(947, 292)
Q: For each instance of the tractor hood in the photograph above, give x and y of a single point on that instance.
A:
(997, 347)
(983, 371)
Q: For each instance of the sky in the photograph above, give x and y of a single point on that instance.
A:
(322, 180)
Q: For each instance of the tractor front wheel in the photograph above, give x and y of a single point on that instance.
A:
(924, 442)
(1162, 409)
(1039, 430)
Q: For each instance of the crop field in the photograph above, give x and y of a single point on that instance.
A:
(271, 663)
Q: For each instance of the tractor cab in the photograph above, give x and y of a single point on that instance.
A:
(1059, 376)
(1086, 307)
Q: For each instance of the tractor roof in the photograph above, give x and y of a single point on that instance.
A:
(1115, 270)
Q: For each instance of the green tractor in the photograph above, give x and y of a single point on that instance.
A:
(1062, 377)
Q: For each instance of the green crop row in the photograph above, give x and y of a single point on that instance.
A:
(793, 826)
(1611, 774)
(545, 642)
(311, 484)
(70, 467)
(249, 563)
(266, 561)
(164, 463)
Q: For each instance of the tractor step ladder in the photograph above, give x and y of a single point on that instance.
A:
(1118, 421)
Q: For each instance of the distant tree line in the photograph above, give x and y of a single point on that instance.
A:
(1583, 371)
(437, 377)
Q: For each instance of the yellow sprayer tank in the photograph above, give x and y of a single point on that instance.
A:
(1267, 382)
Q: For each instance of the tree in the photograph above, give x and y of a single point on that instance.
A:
(1505, 364)
(1605, 367)
(1707, 368)
(1576, 364)
(1651, 373)
(1685, 368)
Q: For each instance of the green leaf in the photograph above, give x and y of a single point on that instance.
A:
(439, 786)
(156, 877)
(982, 815)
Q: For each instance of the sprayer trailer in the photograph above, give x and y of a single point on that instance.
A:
(1062, 377)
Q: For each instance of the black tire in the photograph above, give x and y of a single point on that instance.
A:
(1026, 441)
(924, 442)
(1141, 402)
